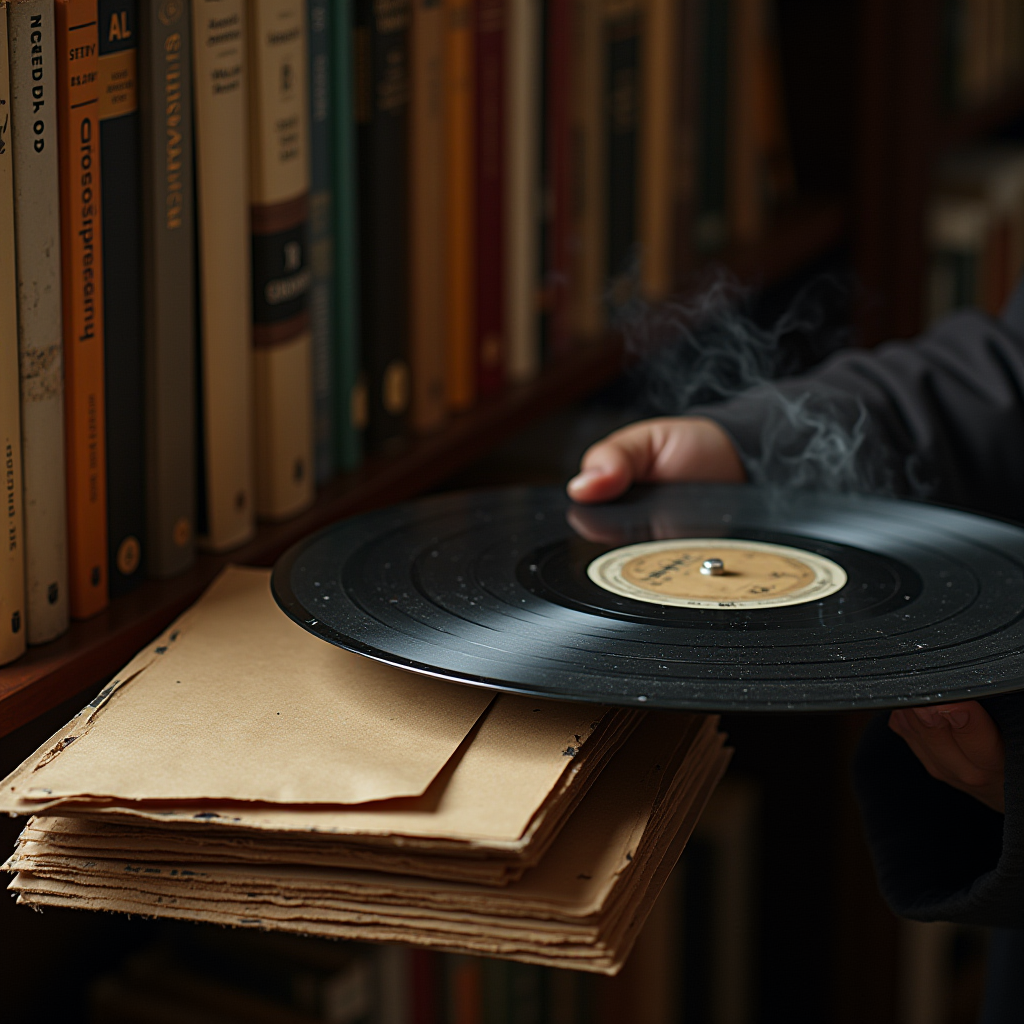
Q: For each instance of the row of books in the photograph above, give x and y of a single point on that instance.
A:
(983, 50)
(241, 240)
(976, 230)
(277, 979)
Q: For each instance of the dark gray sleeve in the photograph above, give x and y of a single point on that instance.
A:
(941, 417)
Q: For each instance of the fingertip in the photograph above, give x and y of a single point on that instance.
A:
(594, 485)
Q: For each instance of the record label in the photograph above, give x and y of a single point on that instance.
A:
(698, 573)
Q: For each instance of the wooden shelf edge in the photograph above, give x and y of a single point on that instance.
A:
(92, 651)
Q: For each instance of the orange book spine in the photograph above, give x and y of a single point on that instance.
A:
(461, 350)
(82, 286)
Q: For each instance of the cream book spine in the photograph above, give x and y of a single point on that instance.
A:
(221, 117)
(280, 180)
(523, 127)
(40, 349)
(12, 550)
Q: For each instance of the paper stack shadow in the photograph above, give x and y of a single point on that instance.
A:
(241, 771)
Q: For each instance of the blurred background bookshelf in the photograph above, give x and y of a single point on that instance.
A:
(875, 98)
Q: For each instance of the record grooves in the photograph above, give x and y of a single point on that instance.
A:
(497, 588)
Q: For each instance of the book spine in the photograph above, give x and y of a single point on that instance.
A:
(321, 233)
(459, 129)
(710, 223)
(349, 389)
(522, 146)
(428, 246)
(281, 277)
(490, 29)
(227, 505)
(745, 128)
(558, 174)
(123, 376)
(168, 260)
(77, 43)
(684, 131)
(622, 111)
(659, 154)
(37, 238)
(382, 111)
(12, 544)
(587, 243)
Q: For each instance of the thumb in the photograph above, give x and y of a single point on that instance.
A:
(609, 467)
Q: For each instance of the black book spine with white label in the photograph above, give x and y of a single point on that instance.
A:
(12, 540)
(168, 261)
(124, 381)
(37, 238)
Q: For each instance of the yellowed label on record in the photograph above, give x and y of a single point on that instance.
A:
(716, 573)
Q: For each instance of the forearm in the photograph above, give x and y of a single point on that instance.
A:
(941, 417)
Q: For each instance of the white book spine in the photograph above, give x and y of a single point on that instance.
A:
(523, 125)
(12, 545)
(37, 238)
(221, 112)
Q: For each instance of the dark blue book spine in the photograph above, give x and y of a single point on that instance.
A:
(321, 235)
(122, 292)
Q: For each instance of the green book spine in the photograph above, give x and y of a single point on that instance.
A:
(382, 112)
(321, 234)
(349, 399)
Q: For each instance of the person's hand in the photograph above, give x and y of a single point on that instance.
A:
(667, 450)
(958, 744)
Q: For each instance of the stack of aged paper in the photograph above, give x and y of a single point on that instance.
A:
(241, 771)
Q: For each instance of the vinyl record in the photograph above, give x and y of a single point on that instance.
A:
(705, 597)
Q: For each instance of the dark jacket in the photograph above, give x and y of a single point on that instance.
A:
(944, 416)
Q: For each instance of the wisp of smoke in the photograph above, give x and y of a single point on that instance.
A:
(708, 350)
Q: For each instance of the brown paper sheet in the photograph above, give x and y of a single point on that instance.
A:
(580, 908)
(236, 702)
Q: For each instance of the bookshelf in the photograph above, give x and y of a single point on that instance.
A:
(91, 651)
(881, 128)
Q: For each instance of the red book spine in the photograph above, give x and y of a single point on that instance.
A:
(490, 194)
(426, 968)
(559, 173)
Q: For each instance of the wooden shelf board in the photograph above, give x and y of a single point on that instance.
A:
(976, 122)
(92, 651)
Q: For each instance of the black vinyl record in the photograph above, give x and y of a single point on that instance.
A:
(707, 597)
